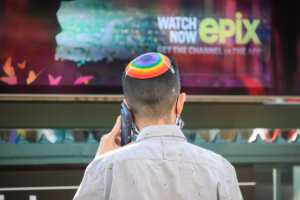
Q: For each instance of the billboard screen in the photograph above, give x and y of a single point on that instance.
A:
(83, 46)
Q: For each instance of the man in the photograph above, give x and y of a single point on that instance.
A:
(161, 164)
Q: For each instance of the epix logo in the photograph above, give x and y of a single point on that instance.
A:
(183, 30)
(211, 31)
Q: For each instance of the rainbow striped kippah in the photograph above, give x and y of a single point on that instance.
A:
(148, 65)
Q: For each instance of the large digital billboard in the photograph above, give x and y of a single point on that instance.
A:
(83, 46)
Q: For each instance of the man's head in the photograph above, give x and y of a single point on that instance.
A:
(153, 98)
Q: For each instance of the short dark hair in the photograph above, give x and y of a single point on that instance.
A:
(154, 96)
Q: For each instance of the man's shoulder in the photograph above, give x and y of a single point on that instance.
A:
(138, 151)
(205, 156)
(107, 159)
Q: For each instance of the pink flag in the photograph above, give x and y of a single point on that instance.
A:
(83, 79)
(54, 81)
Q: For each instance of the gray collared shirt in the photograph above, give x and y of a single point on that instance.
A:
(160, 165)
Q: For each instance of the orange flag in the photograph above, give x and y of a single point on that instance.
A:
(22, 65)
(8, 69)
(31, 77)
(11, 78)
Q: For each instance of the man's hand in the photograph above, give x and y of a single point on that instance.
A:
(110, 141)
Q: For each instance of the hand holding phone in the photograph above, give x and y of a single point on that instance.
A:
(110, 140)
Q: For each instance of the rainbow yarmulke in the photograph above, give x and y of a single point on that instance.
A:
(148, 65)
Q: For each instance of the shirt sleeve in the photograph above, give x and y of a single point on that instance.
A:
(91, 187)
(228, 188)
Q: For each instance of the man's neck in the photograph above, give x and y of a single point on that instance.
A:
(142, 124)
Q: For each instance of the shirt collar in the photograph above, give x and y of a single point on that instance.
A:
(166, 130)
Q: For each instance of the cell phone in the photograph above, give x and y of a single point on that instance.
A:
(126, 124)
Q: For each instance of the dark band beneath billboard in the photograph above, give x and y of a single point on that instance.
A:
(216, 45)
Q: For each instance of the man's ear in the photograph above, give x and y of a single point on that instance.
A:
(180, 103)
(125, 101)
